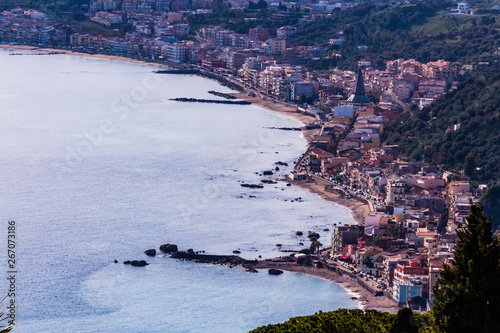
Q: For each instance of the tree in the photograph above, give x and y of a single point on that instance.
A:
(467, 296)
(315, 245)
(470, 165)
(218, 7)
(404, 322)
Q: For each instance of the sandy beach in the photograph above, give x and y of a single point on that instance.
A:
(366, 299)
(78, 54)
(358, 209)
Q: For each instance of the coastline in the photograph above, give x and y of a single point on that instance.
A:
(365, 298)
(80, 54)
(358, 210)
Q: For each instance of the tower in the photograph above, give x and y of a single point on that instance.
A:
(359, 96)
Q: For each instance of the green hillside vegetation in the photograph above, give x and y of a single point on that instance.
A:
(428, 135)
(342, 320)
(240, 21)
(418, 31)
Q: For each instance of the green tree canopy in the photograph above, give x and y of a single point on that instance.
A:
(468, 292)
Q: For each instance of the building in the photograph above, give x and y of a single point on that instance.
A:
(176, 52)
(345, 235)
(275, 47)
(462, 7)
(286, 32)
(303, 88)
(343, 111)
(259, 33)
(403, 292)
(359, 95)
(395, 191)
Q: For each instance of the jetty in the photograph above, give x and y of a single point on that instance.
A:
(228, 260)
(226, 96)
(177, 71)
(197, 100)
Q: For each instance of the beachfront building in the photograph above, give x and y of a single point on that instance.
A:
(410, 280)
(402, 292)
(345, 235)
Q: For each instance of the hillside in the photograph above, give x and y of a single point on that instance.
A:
(471, 151)
(428, 135)
(419, 31)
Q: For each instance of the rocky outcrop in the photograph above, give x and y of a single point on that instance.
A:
(150, 252)
(168, 248)
(313, 234)
(138, 263)
(252, 185)
(273, 271)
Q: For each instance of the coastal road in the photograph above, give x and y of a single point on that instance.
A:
(321, 180)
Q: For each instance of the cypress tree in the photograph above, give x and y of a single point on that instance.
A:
(467, 296)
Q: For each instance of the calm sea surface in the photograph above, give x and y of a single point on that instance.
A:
(97, 164)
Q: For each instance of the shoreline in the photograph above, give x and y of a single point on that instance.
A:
(366, 300)
(51, 51)
(356, 208)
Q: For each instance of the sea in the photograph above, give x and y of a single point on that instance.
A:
(97, 164)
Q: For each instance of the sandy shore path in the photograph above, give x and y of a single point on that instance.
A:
(366, 299)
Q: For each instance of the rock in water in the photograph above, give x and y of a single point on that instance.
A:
(138, 263)
(267, 173)
(150, 252)
(168, 248)
(273, 271)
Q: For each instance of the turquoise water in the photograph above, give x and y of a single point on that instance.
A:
(98, 164)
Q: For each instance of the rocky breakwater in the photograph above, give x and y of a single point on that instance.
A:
(226, 260)
(217, 101)
(226, 96)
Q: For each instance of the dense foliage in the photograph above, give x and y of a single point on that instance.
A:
(428, 135)
(348, 321)
(342, 320)
(467, 296)
(419, 31)
(240, 21)
(491, 202)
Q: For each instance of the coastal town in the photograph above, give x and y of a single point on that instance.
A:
(407, 213)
